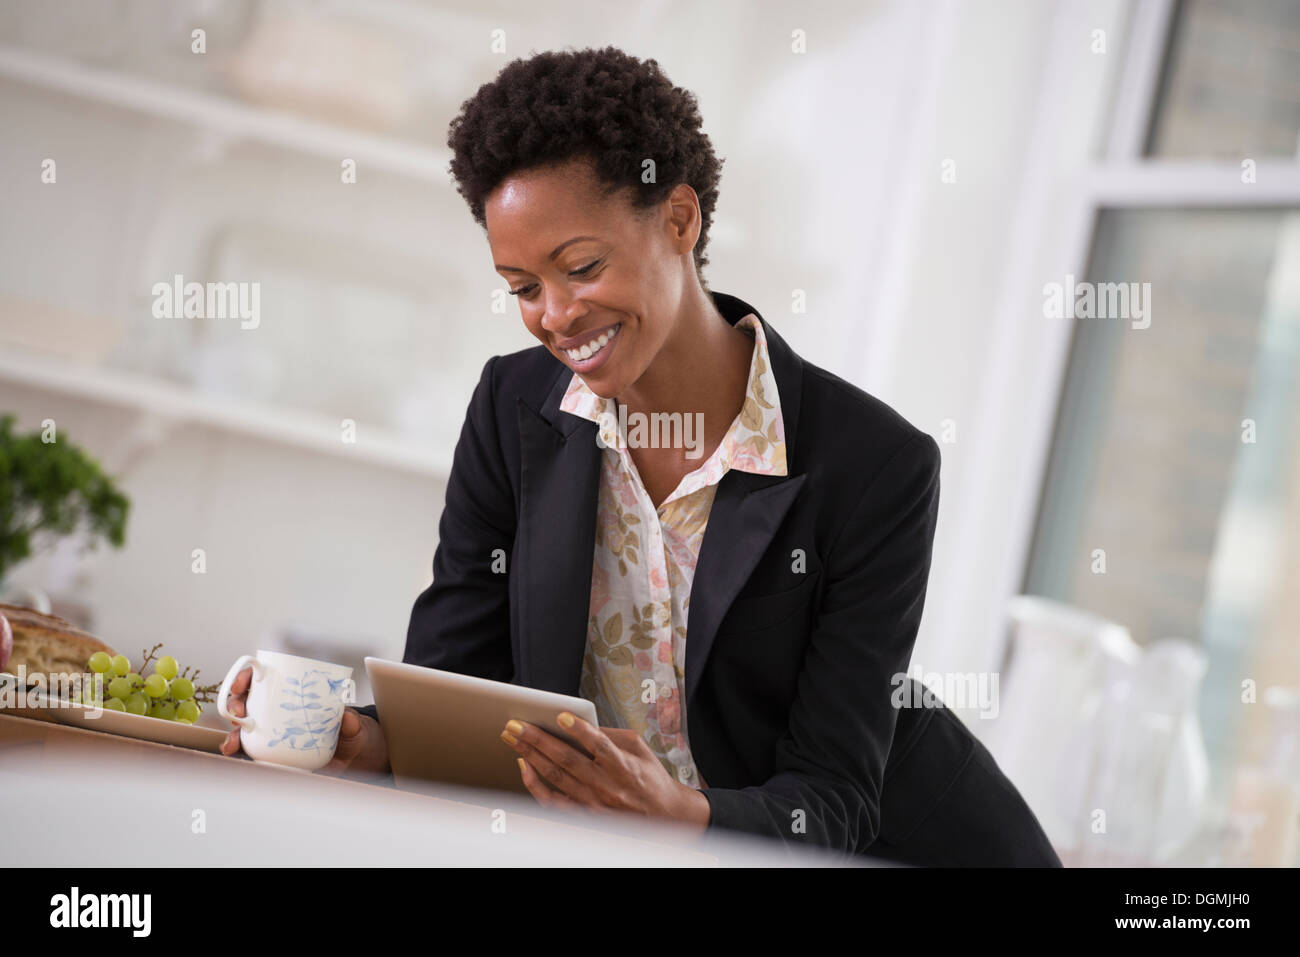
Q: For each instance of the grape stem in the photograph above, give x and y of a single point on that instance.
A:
(148, 657)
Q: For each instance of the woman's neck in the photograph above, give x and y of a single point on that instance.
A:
(702, 367)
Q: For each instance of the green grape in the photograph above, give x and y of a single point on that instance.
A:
(100, 662)
(183, 721)
(136, 681)
(120, 688)
(121, 665)
(182, 689)
(163, 709)
(155, 686)
(166, 666)
(137, 704)
(187, 711)
(114, 704)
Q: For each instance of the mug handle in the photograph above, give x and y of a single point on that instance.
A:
(244, 661)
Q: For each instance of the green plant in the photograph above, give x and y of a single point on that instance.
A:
(50, 489)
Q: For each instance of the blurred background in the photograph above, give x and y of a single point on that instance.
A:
(1113, 602)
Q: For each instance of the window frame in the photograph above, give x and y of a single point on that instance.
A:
(992, 552)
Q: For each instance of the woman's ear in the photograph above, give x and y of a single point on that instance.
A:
(683, 220)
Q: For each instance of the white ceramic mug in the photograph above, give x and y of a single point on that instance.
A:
(293, 709)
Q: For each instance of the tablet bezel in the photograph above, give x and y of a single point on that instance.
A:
(445, 727)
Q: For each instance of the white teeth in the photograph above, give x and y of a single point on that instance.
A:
(591, 348)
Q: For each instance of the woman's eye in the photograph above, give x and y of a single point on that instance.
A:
(581, 271)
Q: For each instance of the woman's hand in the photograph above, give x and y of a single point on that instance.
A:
(361, 749)
(623, 774)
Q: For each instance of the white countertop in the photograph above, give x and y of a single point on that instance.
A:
(67, 795)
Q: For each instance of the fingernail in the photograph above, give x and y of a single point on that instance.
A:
(509, 738)
(514, 727)
(566, 720)
(521, 765)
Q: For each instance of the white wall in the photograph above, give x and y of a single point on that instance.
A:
(289, 537)
(832, 185)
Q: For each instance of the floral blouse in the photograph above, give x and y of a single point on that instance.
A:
(644, 562)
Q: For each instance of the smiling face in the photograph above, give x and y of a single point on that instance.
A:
(599, 283)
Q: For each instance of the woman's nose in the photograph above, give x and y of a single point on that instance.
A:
(562, 310)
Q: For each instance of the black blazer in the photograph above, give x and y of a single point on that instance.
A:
(805, 602)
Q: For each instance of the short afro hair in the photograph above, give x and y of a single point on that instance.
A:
(601, 105)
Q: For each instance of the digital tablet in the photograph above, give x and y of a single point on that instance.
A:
(443, 726)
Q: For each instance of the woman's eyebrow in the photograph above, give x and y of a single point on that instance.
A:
(554, 252)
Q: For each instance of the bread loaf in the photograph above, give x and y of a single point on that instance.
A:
(48, 643)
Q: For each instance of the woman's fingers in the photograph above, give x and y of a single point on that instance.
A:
(350, 725)
(242, 680)
(627, 741)
(235, 704)
(239, 692)
(599, 744)
(540, 790)
(559, 764)
(231, 744)
(350, 743)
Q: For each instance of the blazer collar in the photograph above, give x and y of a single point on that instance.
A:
(555, 541)
(786, 368)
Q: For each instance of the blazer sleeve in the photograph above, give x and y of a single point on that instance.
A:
(830, 763)
(461, 622)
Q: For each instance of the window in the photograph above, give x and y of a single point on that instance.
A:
(1177, 445)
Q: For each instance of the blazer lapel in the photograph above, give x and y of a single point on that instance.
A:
(556, 538)
(747, 510)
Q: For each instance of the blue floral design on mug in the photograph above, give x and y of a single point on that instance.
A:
(310, 725)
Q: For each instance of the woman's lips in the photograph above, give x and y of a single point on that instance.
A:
(605, 342)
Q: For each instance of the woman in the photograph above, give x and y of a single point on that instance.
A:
(738, 599)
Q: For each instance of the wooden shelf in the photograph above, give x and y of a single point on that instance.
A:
(173, 402)
(224, 116)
